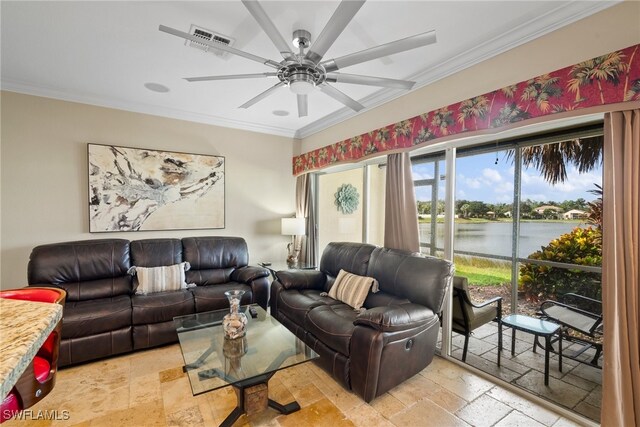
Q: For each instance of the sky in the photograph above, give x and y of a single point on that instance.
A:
(479, 178)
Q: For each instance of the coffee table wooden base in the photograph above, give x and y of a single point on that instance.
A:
(252, 394)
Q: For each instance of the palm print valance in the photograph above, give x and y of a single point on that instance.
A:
(609, 79)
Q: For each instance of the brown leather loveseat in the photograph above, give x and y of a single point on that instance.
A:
(374, 350)
(103, 315)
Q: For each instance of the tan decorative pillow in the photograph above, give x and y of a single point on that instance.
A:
(160, 279)
(352, 289)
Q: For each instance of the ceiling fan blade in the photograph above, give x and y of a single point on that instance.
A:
(369, 80)
(262, 96)
(219, 46)
(267, 25)
(229, 77)
(387, 49)
(345, 12)
(303, 105)
(341, 97)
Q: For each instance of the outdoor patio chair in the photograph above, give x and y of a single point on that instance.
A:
(468, 316)
(577, 313)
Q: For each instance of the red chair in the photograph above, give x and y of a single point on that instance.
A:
(40, 376)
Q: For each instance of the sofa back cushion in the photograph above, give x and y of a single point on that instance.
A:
(213, 258)
(421, 279)
(347, 256)
(86, 270)
(156, 252)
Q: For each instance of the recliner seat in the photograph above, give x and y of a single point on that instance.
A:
(372, 351)
(103, 316)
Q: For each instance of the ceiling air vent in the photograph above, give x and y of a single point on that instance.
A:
(210, 36)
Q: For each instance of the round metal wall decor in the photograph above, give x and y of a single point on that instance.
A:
(347, 198)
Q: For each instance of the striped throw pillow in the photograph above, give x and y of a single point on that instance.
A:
(160, 279)
(352, 289)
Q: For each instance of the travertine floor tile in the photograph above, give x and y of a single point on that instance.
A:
(485, 411)
(588, 410)
(557, 391)
(595, 397)
(149, 414)
(141, 389)
(426, 411)
(321, 413)
(456, 379)
(420, 387)
(525, 406)
(518, 419)
(365, 416)
(388, 405)
(186, 418)
(144, 389)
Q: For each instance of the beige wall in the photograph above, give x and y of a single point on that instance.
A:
(614, 28)
(44, 175)
(377, 184)
(333, 225)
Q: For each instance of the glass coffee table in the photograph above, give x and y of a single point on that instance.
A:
(247, 363)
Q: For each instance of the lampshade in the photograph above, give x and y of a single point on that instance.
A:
(293, 226)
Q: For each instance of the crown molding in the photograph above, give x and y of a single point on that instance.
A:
(543, 24)
(13, 86)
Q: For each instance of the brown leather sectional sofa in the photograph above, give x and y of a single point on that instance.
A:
(103, 316)
(393, 339)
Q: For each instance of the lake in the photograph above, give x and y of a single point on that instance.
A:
(494, 238)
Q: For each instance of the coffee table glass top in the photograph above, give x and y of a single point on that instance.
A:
(212, 362)
(536, 326)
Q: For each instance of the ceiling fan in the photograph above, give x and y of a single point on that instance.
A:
(302, 72)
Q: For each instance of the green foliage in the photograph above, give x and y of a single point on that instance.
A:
(582, 247)
(483, 271)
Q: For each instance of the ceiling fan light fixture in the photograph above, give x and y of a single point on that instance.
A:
(301, 87)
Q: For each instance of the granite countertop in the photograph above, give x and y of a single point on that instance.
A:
(24, 327)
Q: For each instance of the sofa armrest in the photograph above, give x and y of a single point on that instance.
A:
(248, 274)
(301, 279)
(395, 317)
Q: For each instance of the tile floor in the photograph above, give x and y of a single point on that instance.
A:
(149, 389)
(578, 387)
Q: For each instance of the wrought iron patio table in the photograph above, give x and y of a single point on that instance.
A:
(539, 328)
(247, 364)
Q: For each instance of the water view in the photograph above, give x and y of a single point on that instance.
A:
(494, 238)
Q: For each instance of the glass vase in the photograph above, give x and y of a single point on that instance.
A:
(234, 324)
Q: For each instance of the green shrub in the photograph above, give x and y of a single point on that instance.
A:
(583, 247)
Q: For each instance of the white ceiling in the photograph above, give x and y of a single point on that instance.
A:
(104, 53)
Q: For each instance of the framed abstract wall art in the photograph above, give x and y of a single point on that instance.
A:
(133, 189)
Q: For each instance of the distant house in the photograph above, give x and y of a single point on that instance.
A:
(507, 214)
(540, 209)
(574, 214)
(491, 214)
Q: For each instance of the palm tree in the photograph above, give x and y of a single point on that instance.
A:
(603, 68)
(356, 143)
(424, 135)
(465, 209)
(474, 107)
(510, 113)
(442, 119)
(402, 129)
(552, 159)
(541, 89)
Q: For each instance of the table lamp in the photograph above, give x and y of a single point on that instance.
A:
(293, 227)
